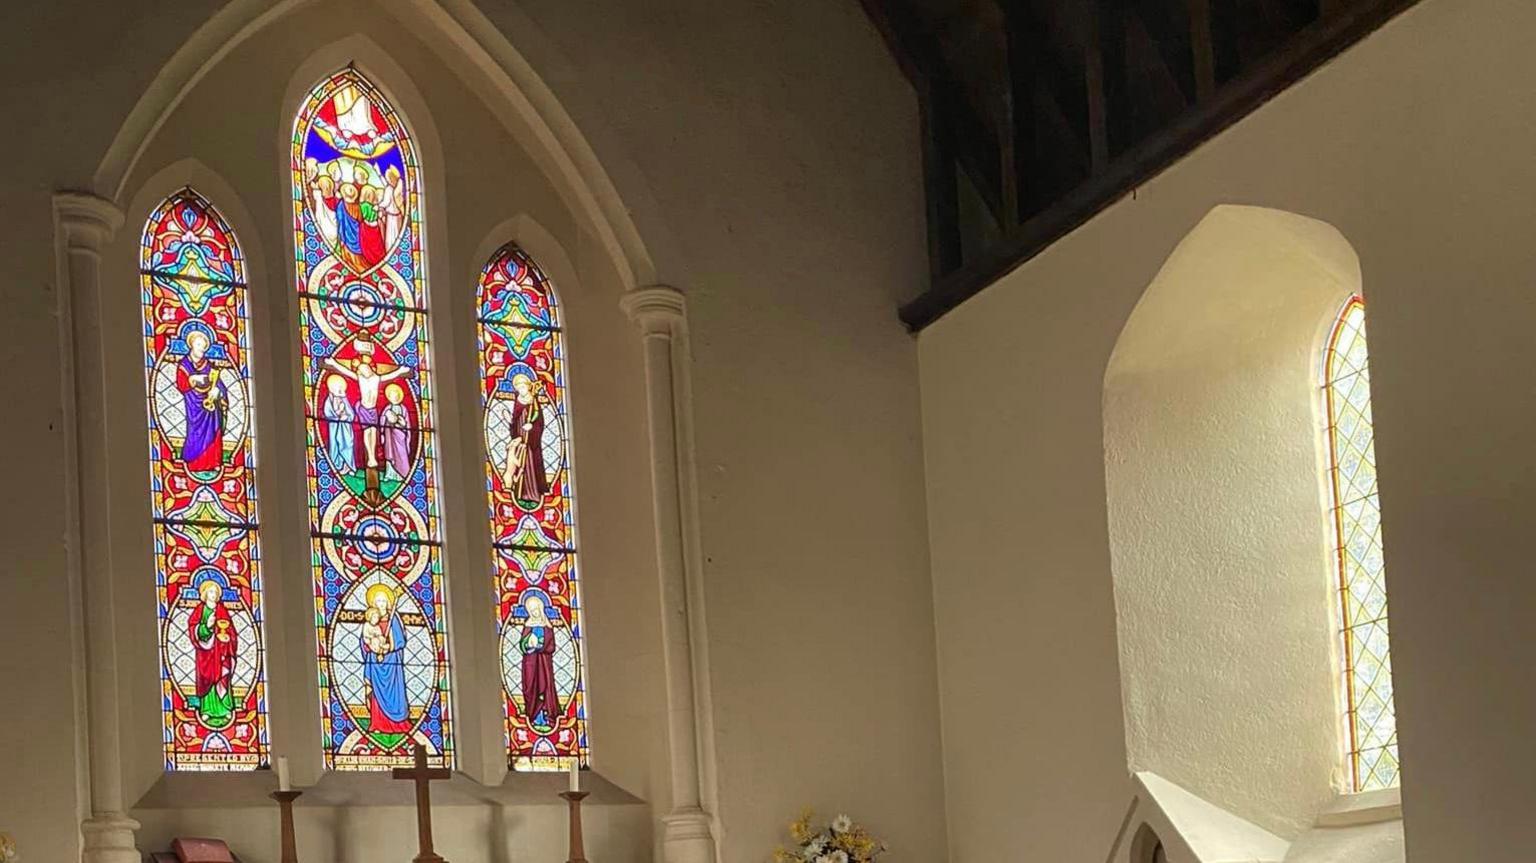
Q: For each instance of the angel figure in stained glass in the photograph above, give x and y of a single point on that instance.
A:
(204, 398)
(392, 205)
(215, 644)
(525, 475)
(541, 702)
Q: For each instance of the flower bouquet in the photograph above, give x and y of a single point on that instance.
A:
(842, 841)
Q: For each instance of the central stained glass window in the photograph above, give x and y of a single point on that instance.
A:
(375, 549)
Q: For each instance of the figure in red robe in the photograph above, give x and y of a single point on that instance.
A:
(214, 642)
(541, 703)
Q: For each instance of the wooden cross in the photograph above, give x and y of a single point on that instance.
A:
(421, 775)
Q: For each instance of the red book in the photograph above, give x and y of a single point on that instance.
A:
(202, 851)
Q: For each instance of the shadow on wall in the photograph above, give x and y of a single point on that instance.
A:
(1217, 516)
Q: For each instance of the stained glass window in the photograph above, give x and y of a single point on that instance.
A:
(380, 610)
(528, 482)
(202, 489)
(1371, 720)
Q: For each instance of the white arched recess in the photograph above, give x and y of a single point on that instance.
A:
(581, 212)
(1214, 464)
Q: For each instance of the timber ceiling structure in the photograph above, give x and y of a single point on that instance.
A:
(1036, 114)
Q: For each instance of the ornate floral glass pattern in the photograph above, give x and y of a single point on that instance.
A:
(202, 489)
(380, 610)
(528, 482)
(1371, 719)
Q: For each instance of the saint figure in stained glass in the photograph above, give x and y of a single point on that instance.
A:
(202, 489)
(381, 624)
(532, 514)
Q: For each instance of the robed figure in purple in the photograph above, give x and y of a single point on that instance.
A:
(541, 703)
(204, 398)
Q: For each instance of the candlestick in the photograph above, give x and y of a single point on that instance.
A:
(290, 853)
(283, 783)
(575, 775)
(578, 849)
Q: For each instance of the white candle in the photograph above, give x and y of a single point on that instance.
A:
(282, 774)
(575, 775)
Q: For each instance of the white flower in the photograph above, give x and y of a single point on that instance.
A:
(812, 850)
(842, 824)
(834, 857)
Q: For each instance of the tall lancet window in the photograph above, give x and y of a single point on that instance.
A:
(1371, 721)
(528, 481)
(202, 459)
(380, 610)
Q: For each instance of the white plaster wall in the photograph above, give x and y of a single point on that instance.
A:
(780, 143)
(769, 156)
(1364, 843)
(1224, 589)
(1415, 144)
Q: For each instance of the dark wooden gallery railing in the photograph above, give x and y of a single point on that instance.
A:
(1037, 114)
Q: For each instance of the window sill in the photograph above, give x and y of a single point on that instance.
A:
(1367, 807)
(250, 789)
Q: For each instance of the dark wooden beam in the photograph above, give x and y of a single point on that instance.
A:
(964, 139)
(1202, 48)
(1096, 90)
(886, 26)
(1023, 74)
(1315, 44)
(942, 192)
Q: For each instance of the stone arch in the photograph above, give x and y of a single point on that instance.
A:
(487, 62)
(1216, 509)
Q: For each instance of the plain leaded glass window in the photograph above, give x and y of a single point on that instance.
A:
(1370, 719)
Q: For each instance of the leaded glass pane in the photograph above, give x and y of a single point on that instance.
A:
(528, 485)
(1371, 719)
(202, 456)
(380, 612)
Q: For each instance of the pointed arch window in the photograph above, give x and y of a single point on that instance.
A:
(532, 513)
(202, 457)
(380, 608)
(1371, 719)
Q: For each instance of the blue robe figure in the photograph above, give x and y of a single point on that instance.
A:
(341, 447)
(384, 667)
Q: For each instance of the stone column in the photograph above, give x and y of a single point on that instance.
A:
(83, 225)
(688, 835)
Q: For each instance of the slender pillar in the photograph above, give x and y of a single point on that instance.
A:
(83, 225)
(688, 830)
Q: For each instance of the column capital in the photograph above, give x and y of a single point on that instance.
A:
(657, 309)
(86, 221)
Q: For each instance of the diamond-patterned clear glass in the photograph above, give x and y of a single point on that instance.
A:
(1371, 720)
